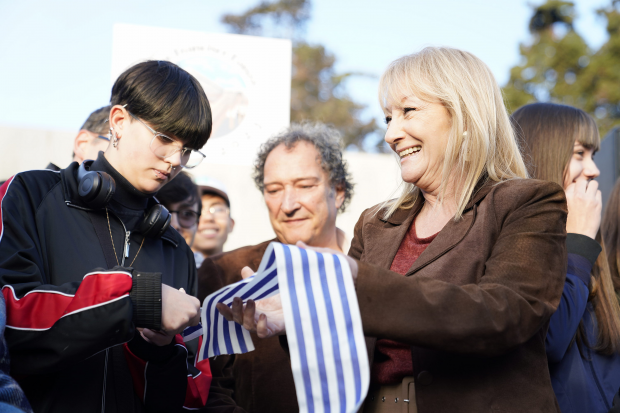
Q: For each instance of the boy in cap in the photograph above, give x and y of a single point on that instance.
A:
(215, 220)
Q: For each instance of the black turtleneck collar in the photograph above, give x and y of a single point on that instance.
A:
(125, 193)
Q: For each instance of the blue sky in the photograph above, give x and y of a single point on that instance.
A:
(56, 55)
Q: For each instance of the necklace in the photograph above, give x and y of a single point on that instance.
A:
(114, 248)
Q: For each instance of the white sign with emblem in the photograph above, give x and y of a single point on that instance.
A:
(247, 80)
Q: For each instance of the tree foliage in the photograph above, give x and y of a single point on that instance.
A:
(601, 81)
(289, 14)
(318, 93)
(558, 66)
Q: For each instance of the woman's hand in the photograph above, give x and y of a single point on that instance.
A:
(584, 208)
(263, 317)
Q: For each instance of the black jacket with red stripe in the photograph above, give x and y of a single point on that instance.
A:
(71, 326)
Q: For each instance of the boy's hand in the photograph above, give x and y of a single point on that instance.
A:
(158, 338)
(178, 310)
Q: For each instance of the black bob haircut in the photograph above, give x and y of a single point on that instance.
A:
(180, 189)
(167, 97)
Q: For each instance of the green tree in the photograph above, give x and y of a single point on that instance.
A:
(318, 93)
(558, 66)
(600, 82)
(552, 62)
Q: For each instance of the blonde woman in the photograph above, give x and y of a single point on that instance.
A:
(583, 340)
(458, 277)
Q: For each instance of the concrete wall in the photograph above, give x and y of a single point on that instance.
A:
(23, 149)
(376, 179)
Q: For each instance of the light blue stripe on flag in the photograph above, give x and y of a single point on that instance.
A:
(323, 325)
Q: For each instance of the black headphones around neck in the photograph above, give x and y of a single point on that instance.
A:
(96, 189)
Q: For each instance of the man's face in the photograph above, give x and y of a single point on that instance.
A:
(214, 226)
(87, 146)
(185, 218)
(96, 144)
(301, 201)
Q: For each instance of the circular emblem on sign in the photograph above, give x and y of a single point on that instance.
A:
(226, 87)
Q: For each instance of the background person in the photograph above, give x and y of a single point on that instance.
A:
(215, 221)
(87, 339)
(583, 340)
(457, 278)
(92, 137)
(181, 199)
(611, 235)
(305, 183)
(12, 397)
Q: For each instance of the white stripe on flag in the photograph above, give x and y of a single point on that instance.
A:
(323, 325)
(341, 325)
(191, 333)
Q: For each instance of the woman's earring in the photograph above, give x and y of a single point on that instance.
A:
(465, 147)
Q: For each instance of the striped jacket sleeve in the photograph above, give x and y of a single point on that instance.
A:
(48, 325)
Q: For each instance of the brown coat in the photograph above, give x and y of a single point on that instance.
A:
(475, 306)
(261, 380)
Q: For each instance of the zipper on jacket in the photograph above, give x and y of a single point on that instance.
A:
(105, 379)
(126, 249)
(127, 234)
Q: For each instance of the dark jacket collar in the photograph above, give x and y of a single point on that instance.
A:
(70, 186)
(52, 167)
(73, 199)
(395, 228)
(125, 194)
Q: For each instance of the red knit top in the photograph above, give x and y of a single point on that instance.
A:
(392, 361)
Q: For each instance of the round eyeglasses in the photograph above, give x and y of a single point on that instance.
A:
(164, 147)
(187, 218)
(218, 211)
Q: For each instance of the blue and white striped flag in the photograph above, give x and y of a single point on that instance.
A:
(191, 333)
(323, 325)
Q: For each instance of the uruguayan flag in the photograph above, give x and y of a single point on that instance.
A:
(191, 333)
(323, 325)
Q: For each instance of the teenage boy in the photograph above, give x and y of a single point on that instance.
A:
(87, 339)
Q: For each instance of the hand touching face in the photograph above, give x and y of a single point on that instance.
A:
(583, 198)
